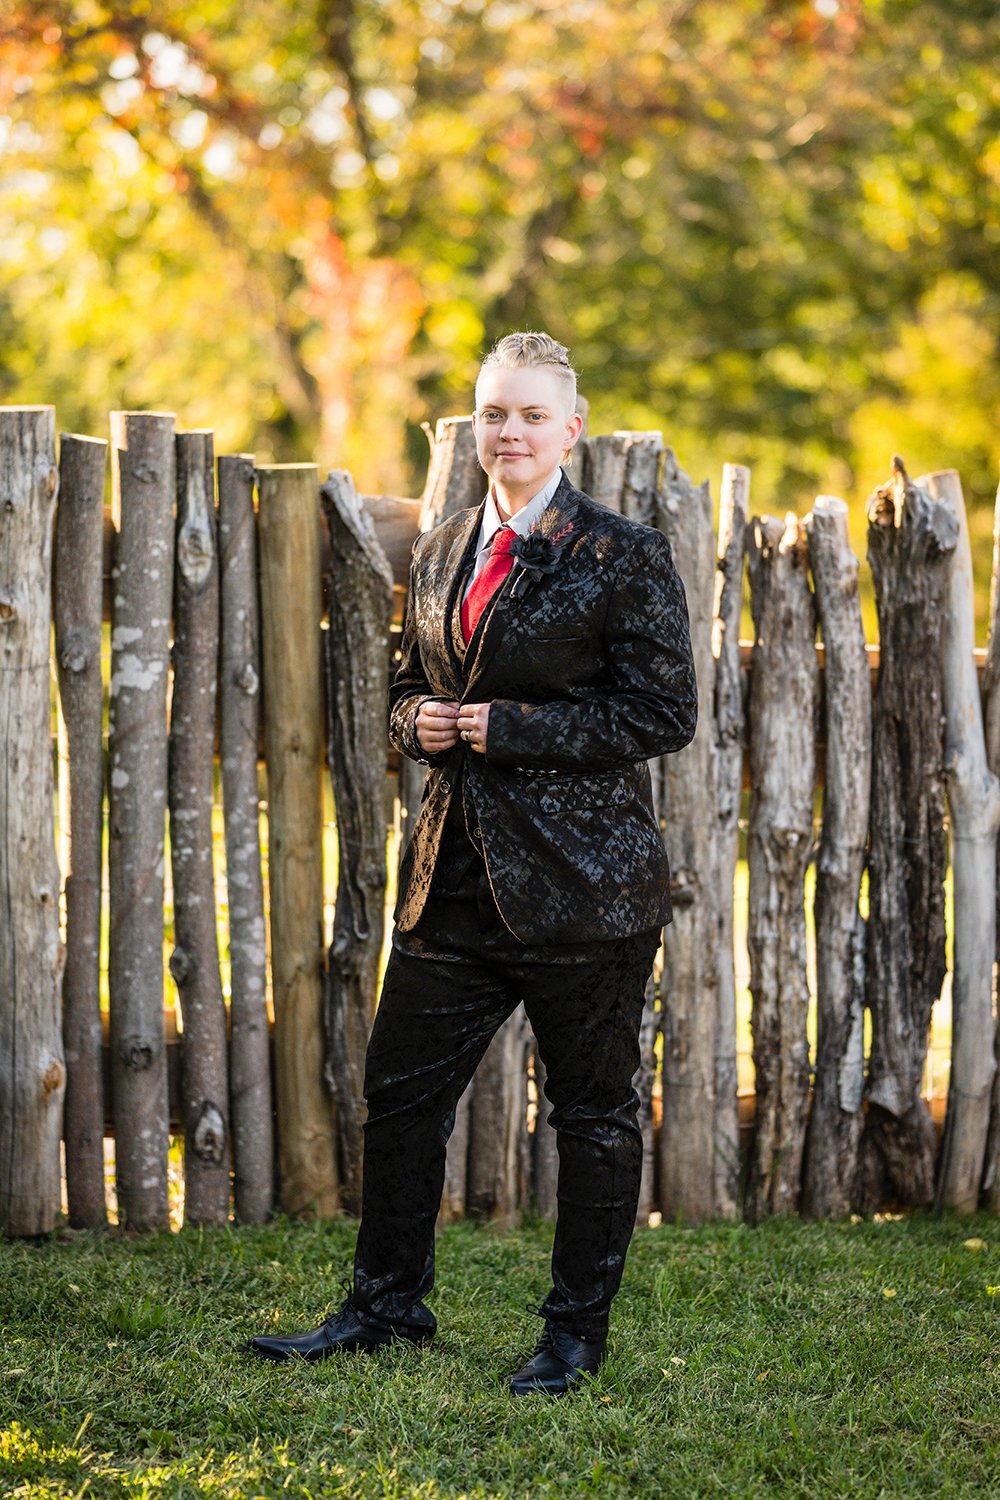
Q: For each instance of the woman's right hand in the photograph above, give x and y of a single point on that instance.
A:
(436, 725)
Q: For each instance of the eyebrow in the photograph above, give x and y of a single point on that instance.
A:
(499, 406)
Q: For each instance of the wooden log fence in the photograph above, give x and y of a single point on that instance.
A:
(253, 663)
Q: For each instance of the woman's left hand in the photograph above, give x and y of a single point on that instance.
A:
(473, 719)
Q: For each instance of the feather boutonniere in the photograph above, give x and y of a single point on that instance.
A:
(536, 554)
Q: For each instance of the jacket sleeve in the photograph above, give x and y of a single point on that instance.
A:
(650, 706)
(409, 688)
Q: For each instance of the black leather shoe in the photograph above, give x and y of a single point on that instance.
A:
(560, 1362)
(342, 1332)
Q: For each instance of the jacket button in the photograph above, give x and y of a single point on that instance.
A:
(445, 786)
(477, 833)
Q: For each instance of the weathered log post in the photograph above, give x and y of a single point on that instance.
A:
(836, 1118)
(194, 963)
(783, 694)
(143, 483)
(499, 1148)
(32, 1072)
(909, 542)
(689, 997)
(251, 1127)
(78, 610)
(991, 726)
(622, 470)
(729, 709)
(289, 530)
(544, 1149)
(974, 805)
(356, 643)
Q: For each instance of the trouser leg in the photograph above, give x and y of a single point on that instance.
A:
(434, 1022)
(586, 1019)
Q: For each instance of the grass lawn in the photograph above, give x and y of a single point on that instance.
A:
(792, 1359)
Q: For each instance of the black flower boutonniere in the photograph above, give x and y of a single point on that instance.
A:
(536, 554)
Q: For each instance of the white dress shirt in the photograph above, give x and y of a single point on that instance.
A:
(522, 523)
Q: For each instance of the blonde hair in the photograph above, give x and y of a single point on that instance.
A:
(523, 350)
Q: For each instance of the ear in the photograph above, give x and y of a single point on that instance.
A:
(574, 426)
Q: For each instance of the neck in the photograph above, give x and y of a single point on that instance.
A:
(509, 499)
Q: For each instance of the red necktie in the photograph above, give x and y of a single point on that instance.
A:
(498, 565)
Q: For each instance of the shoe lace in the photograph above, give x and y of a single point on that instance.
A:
(546, 1340)
(347, 1287)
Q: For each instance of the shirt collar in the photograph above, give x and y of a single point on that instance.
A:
(525, 518)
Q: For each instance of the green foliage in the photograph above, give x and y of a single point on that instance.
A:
(770, 231)
(808, 1360)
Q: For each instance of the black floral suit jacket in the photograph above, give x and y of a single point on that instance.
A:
(589, 673)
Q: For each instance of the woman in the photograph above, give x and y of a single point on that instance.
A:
(545, 658)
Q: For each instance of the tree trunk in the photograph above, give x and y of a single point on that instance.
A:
(836, 1120)
(644, 1084)
(974, 804)
(143, 484)
(32, 1071)
(730, 735)
(289, 529)
(688, 812)
(909, 539)
(991, 724)
(783, 694)
(356, 676)
(78, 617)
(194, 962)
(252, 1125)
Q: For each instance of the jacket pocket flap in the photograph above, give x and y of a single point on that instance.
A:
(579, 793)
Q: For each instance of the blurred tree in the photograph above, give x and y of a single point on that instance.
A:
(302, 224)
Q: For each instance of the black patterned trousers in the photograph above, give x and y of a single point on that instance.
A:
(436, 1017)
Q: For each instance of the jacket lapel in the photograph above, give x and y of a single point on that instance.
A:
(558, 516)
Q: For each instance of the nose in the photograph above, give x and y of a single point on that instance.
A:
(511, 426)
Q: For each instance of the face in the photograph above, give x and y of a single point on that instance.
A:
(523, 426)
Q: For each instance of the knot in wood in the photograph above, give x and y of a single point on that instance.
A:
(180, 965)
(144, 471)
(74, 656)
(247, 680)
(54, 1077)
(683, 887)
(209, 1136)
(136, 1052)
(8, 611)
(51, 484)
(194, 554)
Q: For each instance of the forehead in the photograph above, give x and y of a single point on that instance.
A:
(528, 386)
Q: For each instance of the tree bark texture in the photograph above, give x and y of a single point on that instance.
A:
(688, 812)
(194, 962)
(32, 1070)
(643, 1083)
(360, 595)
(836, 1119)
(783, 697)
(289, 531)
(991, 725)
(78, 588)
(974, 806)
(544, 1149)
(729, 710)
(251, 1125)
(910, 539)
(143, 484)
(499, 1151)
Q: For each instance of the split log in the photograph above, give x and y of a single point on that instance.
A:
(499, 1152)
(991, 724)
(143, 484)
(974, 805)
(32, 1070)
(360, 594)
(454, 479)
(909, 542)
(78, 612)
(544, 1149)
(252, 1126)
(729, 709)
(289, 532)
(688, 805)
(836, 1118)
(783, 693)
(194, 963)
